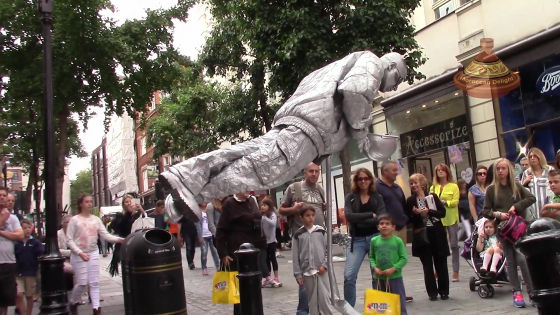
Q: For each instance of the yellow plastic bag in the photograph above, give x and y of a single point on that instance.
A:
(380, 302)
(225, 288)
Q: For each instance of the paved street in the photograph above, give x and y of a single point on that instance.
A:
(284, 300)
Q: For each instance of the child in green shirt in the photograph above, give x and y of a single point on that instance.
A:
(387, 256)
(551, 208)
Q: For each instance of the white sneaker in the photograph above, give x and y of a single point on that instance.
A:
(276, 283)
(267, 283)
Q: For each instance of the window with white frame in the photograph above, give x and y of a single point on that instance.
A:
(443, 8)
(143, 145)
(145, 179)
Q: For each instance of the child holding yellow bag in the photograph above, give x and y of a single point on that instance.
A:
(387, 256)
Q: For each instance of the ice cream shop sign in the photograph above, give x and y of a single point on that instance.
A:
(548, 82)
(441, 135)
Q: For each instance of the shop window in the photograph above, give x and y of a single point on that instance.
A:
(527, 117)
(546, 138)
(513, 142)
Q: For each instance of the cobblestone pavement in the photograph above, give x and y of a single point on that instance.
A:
(284, 300)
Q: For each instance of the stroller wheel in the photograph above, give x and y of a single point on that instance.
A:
(472, 284)
(484, 291)
(490, 291)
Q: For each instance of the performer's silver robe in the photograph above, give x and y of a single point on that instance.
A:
(330, 105)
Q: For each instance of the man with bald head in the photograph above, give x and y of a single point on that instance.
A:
(329, 107)
(11, 202)
(298, 194)
(301, 193)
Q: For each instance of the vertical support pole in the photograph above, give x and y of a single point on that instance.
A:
(53, 292)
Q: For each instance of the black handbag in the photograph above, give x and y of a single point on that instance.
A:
(421, 238)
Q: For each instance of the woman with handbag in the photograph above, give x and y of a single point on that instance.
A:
(429, 241)
(122, 225)
(448, 192)
(506, 198)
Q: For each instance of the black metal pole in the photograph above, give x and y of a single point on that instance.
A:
(250, 278)
(53, 291)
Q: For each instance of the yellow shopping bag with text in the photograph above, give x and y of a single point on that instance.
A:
(381, 302)
(225, 288)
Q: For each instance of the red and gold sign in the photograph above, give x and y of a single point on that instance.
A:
(487, 76)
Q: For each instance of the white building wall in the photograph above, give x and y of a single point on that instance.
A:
(121, 157)
(454, 40)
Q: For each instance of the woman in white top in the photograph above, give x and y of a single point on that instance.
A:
(82, 234)
(535, 178)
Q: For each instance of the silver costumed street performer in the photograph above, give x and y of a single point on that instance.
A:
(330, 106)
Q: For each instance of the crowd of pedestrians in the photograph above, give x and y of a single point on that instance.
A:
(377, 212)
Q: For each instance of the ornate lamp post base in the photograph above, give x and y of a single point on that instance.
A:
(55, 299)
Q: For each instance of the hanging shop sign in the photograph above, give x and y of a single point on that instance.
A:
(486, 76)
(441, 135)
(548, 82)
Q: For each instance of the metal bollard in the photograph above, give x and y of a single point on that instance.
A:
(250, 278)
(541, 248)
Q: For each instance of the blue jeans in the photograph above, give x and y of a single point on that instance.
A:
(395, 286)
(354, 260)
(303, 304)
(204, 253)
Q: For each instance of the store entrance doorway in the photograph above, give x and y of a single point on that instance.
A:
(458, 158)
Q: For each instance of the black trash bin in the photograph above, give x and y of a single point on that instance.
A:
(541, 248)
(152, 274)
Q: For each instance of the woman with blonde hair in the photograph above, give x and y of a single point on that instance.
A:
(535, 178)
(122, 225)
(446, 189)
(507, 197)
(429, 241)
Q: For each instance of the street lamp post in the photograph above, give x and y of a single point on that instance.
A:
(53, 292)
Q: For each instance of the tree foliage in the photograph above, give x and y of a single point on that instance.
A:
(80, 185)
(265, 48)
(95, 63)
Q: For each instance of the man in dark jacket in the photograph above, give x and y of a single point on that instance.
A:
(240, 223)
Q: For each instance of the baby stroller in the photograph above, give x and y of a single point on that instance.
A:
(482, 283)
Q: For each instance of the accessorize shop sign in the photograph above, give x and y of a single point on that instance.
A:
(441, 135)
(548, 82)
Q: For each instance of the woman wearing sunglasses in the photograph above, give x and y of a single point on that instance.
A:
(477, 192)
(362, 207)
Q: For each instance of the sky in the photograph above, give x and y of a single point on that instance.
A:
(188, 39)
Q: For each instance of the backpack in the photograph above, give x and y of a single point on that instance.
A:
(514, 228)
(299, 197)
